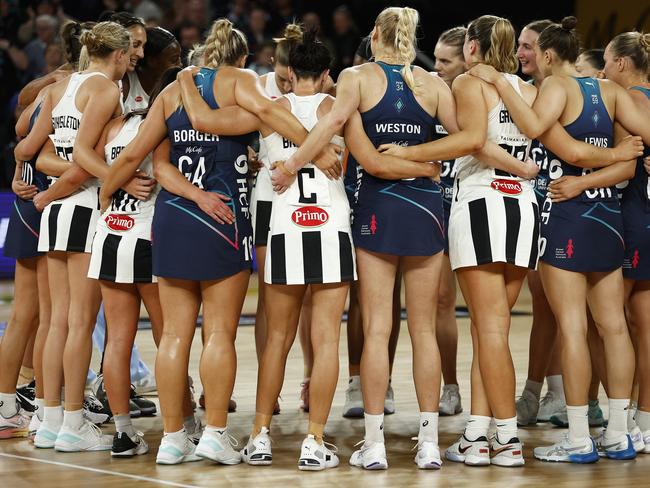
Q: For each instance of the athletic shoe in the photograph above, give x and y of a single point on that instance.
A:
(428, 455)
(195, 435)
(389, 401)
(315, 456)
(549, 405)
(565, 452)
(88, 437)
(509, 454)
(26, 396)
(637, 439)
(304, 395)
(34, 425)
(353, 407)
(257, 450)
(15, 426)
(125, 446)
(146, 407)
(217, 446)
(450, 401)
(190, 383)
(527, 408)
(472, 453)
(372, 456)
(145, 385)
(621, 449)
(595, 415)
(171, 452)
(646, 441)
(232, 404)
(100, 395)
(94, 410)
(46, 436)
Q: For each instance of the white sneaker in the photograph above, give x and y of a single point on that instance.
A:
(565, 452)
(372, 456)
(549, 405)
(176, 449)
(125, 446)
(353, 407)
(620, 448)
(34, 425)
(646, 440)
(217, 446)
(195, 435)
(450, 401)
(509, 454)
(46, 435)
(257, 451)
(145, 385)
(527, 408)
(637, 439)
(472, 453)
(428, 455)
(14, 426)
(88, 437)
(389, 401)
(315, 456)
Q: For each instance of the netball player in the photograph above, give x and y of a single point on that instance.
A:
(591, 63)
(450, 63)
(573, 271)
(206, 195)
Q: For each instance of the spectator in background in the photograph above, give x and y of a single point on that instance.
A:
(346, 39)
(263, 62)
(257, 31)
(238, 14)
(46, 31)
(188, 36)
(193, 11)
(282, 13)
(147, 10)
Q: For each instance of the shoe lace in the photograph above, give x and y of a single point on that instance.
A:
(362, 441)
(331, 447)
(93, 427)
(233, 441)
(548, 398)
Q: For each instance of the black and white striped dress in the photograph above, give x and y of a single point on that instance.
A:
(494, 215)
(310, 239)
(121, 250)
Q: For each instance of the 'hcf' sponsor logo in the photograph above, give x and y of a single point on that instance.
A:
(506, 186)
(119, 222)
(309, 216)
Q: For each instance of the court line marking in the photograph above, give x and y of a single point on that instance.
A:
(100, 471)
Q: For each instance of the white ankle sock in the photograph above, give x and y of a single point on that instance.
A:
(53, 416)
(617, 425)
(374, 427)
(477, 426)
(428, 427)
(124, 424)
(578, 423)
(534, 387)
(506, 429)
(643, 420)
(8, 406)
(73, 419)
(40, 403)
(555, 384)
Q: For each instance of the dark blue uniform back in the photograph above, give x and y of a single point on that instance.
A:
(25, 220)
(188, 243)
(636, 218)
(398, 217)
(570, 228)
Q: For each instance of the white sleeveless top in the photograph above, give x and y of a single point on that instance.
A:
(66, 119)
(272, 90)
(137, 98)
(123, 202)
(475, 179)
(280, 149)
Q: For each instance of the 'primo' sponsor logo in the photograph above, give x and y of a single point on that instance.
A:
(506, 186)
(309, 217)
(119, 222)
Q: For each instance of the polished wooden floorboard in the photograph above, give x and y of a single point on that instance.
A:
(23, 466)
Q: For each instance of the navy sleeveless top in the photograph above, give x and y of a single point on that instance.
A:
(638, 190)
(397, 119)
(593, 126)
(210, 162)
(30, 174)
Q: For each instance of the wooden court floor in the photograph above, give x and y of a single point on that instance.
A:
(22, 466)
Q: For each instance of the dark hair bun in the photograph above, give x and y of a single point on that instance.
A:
(569, 23)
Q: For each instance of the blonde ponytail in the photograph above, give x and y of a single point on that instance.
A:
(501, 53)
(225, 45)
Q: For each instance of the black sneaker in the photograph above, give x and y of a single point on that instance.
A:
(102, 397)
(94, 410)
(26, 396)
(146, 407)
(124, 446)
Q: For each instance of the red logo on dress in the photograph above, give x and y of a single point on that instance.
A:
(119, 222)
(569, 248)
(138, 98)
(309, 217)
(506, 186)
(635, 259)
(373, 224)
